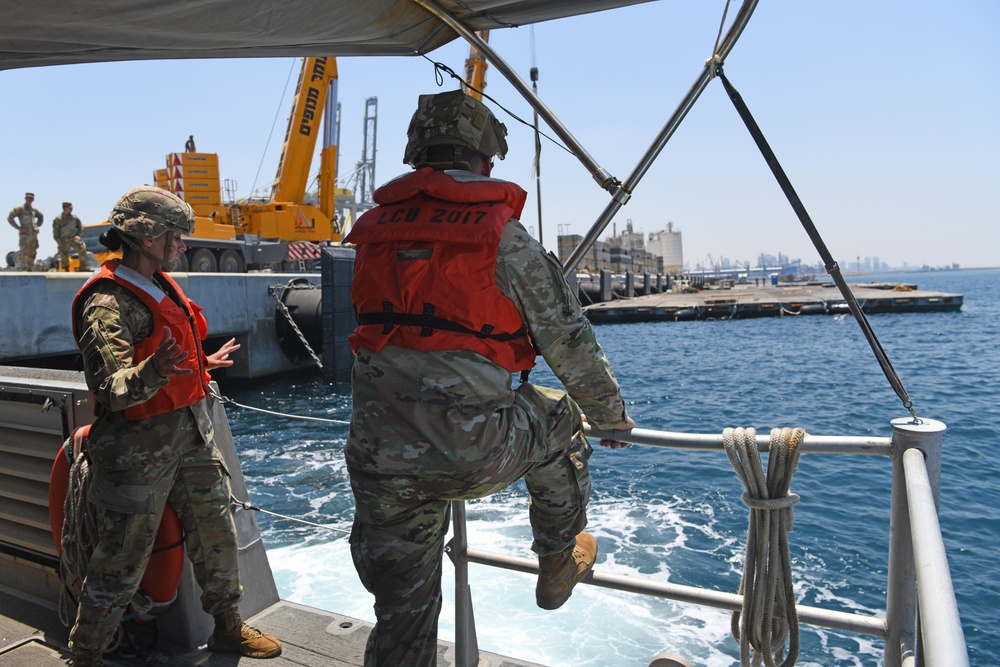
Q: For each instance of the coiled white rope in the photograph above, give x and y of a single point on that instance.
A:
(768, 618)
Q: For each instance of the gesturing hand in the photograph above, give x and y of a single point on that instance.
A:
(221, 357)
(168, 356)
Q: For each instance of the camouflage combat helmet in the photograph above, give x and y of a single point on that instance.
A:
(147, 212)
(454, 118)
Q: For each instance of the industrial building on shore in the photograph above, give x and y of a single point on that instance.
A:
(659, 254)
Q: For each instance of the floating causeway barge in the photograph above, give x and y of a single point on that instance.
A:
(752, 302)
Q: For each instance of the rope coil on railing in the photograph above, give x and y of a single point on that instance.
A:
(768, 618)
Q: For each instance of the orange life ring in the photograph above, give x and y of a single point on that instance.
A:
(163, 572)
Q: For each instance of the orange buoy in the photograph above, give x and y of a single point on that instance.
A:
(158, 587)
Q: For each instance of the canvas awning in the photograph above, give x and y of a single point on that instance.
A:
(57, 32)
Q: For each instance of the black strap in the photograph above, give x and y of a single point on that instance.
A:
(428, 322)
(427, 326)
(831, 266)
(387, 309)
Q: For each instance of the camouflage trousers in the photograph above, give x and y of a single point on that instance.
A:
(400, 523)
(128, 516)
(64, 245)
(27, 249)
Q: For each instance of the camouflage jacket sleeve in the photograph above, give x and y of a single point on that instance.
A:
(112, 322)
(39, 217)
(533, 280)
(13, 216)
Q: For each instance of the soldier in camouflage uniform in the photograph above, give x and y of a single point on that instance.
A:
(26, 219)
(448, 286)
(66, 229)
(153, 441)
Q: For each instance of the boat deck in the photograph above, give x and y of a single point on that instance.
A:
(31, 634)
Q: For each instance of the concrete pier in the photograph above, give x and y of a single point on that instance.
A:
(744, 302)
(36, 325)
(36, 328)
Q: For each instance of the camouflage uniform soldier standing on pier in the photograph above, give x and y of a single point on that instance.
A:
(453, 296)
(28, 220)
(66, 229)
(153, 440)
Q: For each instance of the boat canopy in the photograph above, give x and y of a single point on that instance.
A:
(57, 32)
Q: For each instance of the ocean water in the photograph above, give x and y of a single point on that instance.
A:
(677, 516)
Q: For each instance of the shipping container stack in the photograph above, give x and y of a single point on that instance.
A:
(194, 177)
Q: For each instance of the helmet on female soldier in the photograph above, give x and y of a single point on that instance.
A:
(457, 119)
(146, 212)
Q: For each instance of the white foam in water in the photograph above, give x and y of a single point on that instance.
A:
(597, 627)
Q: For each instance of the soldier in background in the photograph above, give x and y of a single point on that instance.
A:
(453, 296)
(26, 220)
(189, 144)
(153, 439)
(66, 229)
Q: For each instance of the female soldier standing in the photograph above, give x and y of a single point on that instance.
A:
(153, 441)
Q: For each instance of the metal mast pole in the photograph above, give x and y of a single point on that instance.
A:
(538, 158)
(707, 74)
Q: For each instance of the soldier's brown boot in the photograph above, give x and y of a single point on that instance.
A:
(558, 574)
(232, 635)
(88, 659)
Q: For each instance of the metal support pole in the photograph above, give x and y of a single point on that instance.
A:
(466, 643)
(600, 174)
(538, 158)
(901, 594)
(942, 641)
(628, 187)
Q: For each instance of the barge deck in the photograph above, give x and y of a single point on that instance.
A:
(752, 302)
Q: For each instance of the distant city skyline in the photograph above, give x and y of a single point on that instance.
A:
(866, 264)
(632, 237)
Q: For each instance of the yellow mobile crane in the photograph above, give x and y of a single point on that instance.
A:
(236, 235)
(232, 236)
(475, 69)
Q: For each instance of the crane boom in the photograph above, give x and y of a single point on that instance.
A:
(284, 231)
(315, 80)
(475, 69)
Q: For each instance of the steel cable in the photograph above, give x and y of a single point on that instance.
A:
(225, 400)
(831, 266)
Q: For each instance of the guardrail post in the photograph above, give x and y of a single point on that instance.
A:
(901, 594)
(466, 643)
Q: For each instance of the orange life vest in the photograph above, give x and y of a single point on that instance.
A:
(187, 325)
(424, 269)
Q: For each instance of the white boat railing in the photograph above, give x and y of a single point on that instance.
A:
(921, 625)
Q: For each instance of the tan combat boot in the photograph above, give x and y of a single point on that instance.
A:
(232, 635)
(88, 659)
(558, 574)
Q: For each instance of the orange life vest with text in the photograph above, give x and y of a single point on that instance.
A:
(187, 325)
(424, 270)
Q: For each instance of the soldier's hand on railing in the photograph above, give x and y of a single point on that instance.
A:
(626, 425)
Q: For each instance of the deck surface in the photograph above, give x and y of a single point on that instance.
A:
(32, 636)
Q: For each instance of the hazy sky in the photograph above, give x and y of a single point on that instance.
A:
(885, 115)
